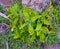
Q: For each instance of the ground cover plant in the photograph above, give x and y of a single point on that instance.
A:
(28, 27)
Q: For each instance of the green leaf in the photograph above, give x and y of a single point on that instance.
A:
(47, 22)
(38, 33)
(45, 30)
(23, 26)
(13, 24)
(42, 37)
(34, 18)
(54, 11)
(30, 29)
(14, 10)
(44, 14)
(26, 16)
(39, 25)
(32, 38)
(17, 34)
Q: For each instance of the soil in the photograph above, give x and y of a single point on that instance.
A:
(52, 46)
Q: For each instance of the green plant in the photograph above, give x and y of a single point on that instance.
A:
(0, 8)
(30, 26)
(58, 9)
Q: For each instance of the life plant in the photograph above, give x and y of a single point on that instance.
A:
(58, 9)
(0, 8)
(29, 26)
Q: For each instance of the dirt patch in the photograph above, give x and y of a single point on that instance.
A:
(52, 46)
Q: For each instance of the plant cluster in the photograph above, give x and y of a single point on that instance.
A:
(1, 8)
(30, 26)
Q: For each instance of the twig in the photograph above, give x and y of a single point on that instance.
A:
(3, 15)
(7, 47)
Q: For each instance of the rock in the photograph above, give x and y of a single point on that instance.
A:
(3, 28)
(52, 46)
(24, 46)
(56, 2)
(37, 5)
(5, 3)
(58, 33)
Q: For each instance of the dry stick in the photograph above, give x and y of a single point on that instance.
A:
(3, 15)
(7, 47)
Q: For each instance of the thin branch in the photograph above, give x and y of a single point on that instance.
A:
(7, 47)
(3, 15)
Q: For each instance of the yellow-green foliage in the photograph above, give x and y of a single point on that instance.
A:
(29, 25)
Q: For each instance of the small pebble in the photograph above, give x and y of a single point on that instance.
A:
(3, 28)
